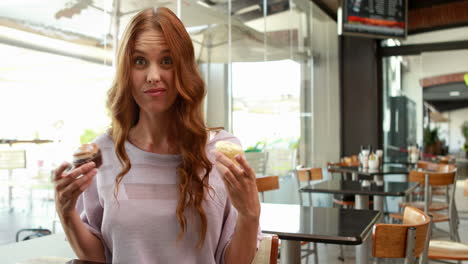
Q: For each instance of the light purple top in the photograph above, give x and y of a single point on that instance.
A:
(143, 227)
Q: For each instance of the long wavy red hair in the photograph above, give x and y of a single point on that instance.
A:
(188, 132)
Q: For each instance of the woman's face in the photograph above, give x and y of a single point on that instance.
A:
(152, 72)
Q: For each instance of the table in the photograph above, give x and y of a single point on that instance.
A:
(53, 247)
(295, 223)
(362, 189)
(16, 141)
(386, 169)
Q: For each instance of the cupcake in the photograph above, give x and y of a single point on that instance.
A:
(229, 149)
(86, 153)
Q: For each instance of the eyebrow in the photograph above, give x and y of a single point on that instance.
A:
(144, 53)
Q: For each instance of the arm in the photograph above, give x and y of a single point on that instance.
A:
(84, 243)
(240, 182)
(243, 246)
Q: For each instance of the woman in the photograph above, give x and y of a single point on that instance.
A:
(157, 198)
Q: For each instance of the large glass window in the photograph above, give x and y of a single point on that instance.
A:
(270, 68)
(266, 110)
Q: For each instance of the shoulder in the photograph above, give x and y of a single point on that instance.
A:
(105, 143)
(221, 135)
(104, 140)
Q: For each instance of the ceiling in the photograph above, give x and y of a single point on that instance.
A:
(446, 92)
(447, 97)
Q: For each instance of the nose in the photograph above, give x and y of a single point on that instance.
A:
(153, 74)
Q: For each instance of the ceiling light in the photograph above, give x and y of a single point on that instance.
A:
(202, 3)
(247, 9)
(454, 93)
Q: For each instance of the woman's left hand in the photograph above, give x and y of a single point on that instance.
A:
(240, 182)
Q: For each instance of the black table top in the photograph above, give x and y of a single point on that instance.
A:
(387, 169)
(79, 261)
(384, 188)
(317, 224)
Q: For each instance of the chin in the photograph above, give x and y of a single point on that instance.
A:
(158, 109)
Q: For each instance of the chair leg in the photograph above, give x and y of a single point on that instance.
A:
(315, 254)
(341, 256)
(308, 253)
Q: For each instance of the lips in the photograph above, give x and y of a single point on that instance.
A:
(155, 91)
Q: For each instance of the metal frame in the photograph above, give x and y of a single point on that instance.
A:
(452, 211)
(410, 244)
(424, 259)
(417, 49)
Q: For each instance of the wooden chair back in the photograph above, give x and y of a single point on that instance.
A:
(309, 174)
(431, 166)
(267, 252)
(267, 183)
(435, 178)
(351, 160)
(391, 240)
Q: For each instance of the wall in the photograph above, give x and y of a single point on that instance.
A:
(456, 138)
(444, 62)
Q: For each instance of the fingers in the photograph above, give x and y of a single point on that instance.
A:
(228, 163)
(60, 170)
(228, 178)
(80, 183)
(69, 185)
(248, 171)
(70, 188)
(81, 170)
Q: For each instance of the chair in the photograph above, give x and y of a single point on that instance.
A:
(431, 166)
(31, 233)
(267, 183)
(308, 175)
(258, 161)
(408, 240)
(347, 201)
(10, 160)
(281, 161)
(268, 250)
(441, 167)
(434, 179)
(449, 250)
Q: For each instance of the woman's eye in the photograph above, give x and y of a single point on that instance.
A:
(166, 60)
(139, 61)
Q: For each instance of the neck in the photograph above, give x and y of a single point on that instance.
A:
(151, 134)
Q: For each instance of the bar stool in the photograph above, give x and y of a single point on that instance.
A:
(449, 250)
(433, 179)
(440, 167)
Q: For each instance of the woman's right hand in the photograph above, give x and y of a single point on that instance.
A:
(69, 185)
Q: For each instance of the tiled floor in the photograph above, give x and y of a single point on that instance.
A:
(43, 215)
